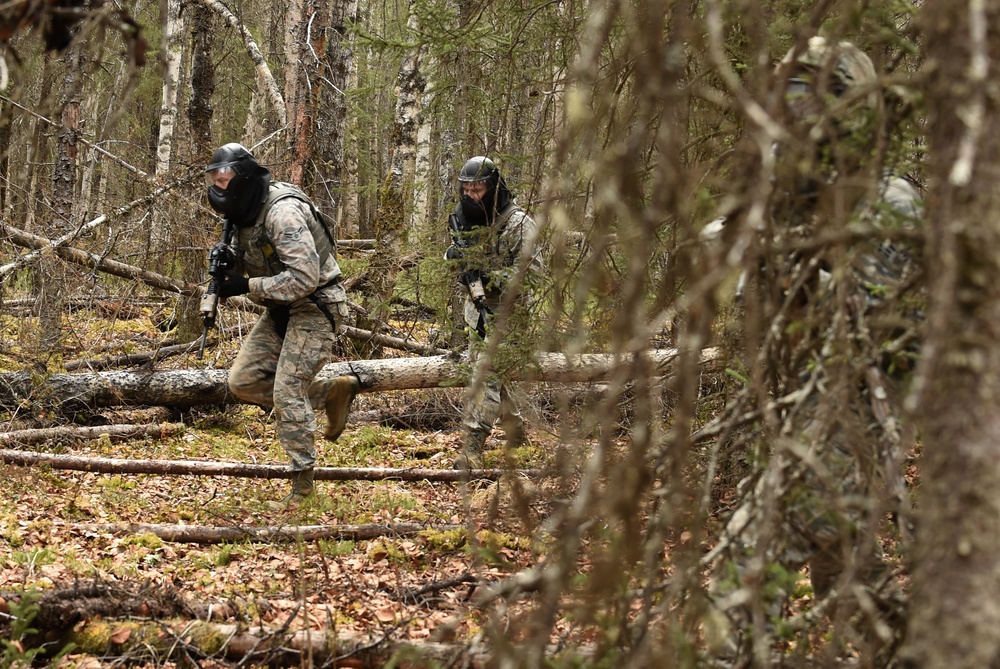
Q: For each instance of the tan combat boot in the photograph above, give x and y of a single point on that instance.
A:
(302, 487)
(338, 403)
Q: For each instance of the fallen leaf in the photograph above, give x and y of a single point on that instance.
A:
(385, 614)
(121, 636)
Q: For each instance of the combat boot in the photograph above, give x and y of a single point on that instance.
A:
(472, 451)
(514, 432)
(302, 487)
(338, 403)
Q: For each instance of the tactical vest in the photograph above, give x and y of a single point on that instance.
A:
(260, 258)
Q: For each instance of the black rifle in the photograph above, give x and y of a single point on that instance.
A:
(472, 279)
(220, 259)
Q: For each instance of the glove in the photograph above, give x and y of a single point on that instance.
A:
(454, 253)
(233, 284)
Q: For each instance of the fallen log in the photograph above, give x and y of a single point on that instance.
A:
(198, 387)
(287, 646)
(356, 244)
(199, 534)
(75, 433)
(244, 470)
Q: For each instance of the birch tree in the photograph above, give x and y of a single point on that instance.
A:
(173, 29)
(396, 193)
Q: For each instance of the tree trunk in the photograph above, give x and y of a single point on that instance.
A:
(160, 231)
(187, 388)
(50, 280)
(331, 113)
(264, 76)
(395, 196)
(955, 606)
(202, 80)
(259, 646)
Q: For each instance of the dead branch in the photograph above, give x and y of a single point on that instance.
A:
(150, 357)
(79, 257)
(417, 595)
(242, 470)
(260, 63)
(367, 336)
(279, 534)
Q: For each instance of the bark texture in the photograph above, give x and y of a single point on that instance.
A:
(212, 535)
(955, 608)
(192, 387)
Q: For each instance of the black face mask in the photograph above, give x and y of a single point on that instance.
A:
(241, 201)
(477, 214)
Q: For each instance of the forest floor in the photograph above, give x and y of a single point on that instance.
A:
(418, 587)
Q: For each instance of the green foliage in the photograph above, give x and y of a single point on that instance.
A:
(22, 615)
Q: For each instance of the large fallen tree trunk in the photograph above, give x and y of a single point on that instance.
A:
(239, 469)
(193, 387)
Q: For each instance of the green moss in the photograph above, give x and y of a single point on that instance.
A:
(446, 541)
(207, 638)
(146, 540)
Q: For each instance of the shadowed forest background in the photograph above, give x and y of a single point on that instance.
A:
(623, 127)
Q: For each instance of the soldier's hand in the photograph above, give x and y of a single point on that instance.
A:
(454, 253)
(233, 284)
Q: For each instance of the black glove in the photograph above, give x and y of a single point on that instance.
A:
(233, 284)
(454, 253)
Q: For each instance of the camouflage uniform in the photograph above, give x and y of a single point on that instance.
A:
(290, 259)
(502, 248)
(810, 503)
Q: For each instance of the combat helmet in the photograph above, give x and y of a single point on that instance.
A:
(824, 68)
(242, 199)
(481, 169)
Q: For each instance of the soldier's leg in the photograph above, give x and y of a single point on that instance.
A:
(307, 347)
(511, 419)
(481, 413)
(251, 377)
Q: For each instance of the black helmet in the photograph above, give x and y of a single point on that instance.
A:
(479, 168)
(482, 212)
(241, 200)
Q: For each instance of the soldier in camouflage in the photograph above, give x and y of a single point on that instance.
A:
(488, 232)
(844, 320)
(286, 262)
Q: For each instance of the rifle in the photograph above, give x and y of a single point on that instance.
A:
(472, 279)
(220, 259)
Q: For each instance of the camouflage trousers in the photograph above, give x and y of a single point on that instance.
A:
(280, 372)
(491, 401)
(818, 503)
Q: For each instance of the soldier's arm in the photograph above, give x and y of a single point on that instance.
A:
(288, 229)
